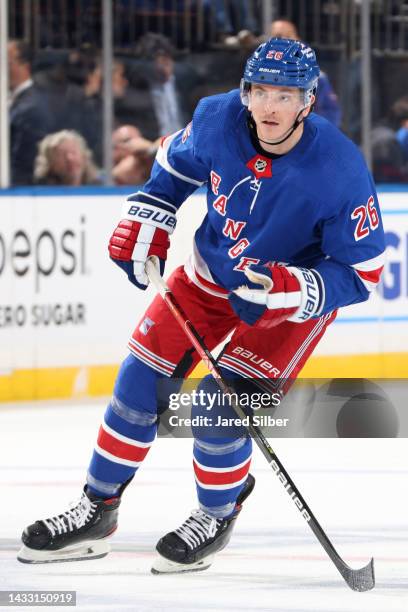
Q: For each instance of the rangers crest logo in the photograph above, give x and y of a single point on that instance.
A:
(145, 326)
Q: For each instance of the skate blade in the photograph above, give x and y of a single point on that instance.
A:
(80, 552)
(164, 566)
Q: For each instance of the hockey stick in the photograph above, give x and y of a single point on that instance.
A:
(357, 579)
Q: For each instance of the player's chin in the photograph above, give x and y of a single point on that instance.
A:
(270, 132)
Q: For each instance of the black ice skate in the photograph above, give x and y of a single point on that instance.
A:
(79, 533)
(192, 547)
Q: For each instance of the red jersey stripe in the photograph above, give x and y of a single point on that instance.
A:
(373, 276)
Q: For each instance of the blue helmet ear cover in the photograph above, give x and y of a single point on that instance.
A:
(282, 62)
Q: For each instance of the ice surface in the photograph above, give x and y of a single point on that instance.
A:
(356, 488)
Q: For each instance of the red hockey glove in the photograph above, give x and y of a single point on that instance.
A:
(293, 294)
(143, 232)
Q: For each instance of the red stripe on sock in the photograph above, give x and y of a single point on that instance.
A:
(207, 477)
(120, 449)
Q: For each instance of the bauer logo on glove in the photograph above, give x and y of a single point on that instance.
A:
(277, 293)
(143, 232)
(148, 213)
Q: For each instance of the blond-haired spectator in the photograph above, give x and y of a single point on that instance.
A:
(65, 159)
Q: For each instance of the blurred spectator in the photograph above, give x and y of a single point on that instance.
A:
(245, 42)
(29, 116)
(64, 159)
(283, 28)
(166, 104)
(83, 100)
(400, 112)
(133, 18)
(248, 41)
(230, 16)
(133, 156)
(389, 141)
(327, 103)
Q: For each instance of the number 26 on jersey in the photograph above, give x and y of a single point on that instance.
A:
(367, 219)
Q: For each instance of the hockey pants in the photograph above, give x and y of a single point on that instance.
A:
(159, 349)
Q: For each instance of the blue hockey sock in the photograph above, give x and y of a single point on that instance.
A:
(127, 431)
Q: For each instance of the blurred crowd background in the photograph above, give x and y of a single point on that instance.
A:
(166, 55)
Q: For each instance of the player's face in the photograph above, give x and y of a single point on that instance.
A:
(274, 109)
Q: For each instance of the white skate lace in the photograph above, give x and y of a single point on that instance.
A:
(78, 515)
(197, 528)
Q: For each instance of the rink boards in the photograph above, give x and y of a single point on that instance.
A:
(66, 311)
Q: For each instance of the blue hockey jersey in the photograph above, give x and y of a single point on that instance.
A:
(314, 207)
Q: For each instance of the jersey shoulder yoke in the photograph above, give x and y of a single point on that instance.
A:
(217, 112)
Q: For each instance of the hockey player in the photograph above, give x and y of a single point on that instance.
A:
(291, 211)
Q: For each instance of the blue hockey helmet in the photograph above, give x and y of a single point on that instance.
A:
(282, 62)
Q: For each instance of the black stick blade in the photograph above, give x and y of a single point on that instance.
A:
(359, 580)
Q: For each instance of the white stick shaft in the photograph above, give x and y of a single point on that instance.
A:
(153, 272)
